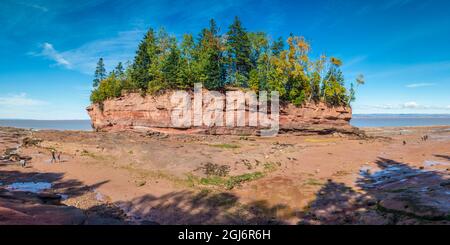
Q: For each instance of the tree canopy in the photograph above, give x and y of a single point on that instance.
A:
(236, 58)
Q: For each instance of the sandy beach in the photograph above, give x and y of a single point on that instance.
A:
(392, 176)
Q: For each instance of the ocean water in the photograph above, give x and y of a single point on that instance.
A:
(357, 121)
(400, 120)
(79, 125)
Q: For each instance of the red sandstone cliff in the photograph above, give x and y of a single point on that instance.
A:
(135, 112)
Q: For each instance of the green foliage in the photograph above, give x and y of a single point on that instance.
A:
(210, 58)
(334, 91)
(239, 53)
(188, 67)
(100, 73)
(119, 70)
(231, 182)
(254, 80)
(239, 59)
(110, 87)
(146, 55)
(277, 46)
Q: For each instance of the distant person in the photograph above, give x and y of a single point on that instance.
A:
(59, 156)
(53, 156)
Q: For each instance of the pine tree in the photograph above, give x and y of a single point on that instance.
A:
(119, 70)
(239, 52)
(171, 66)
(145, 56)
(100, 73)
(335, 93)
(210, 58)
(188, 69)
(277, 46)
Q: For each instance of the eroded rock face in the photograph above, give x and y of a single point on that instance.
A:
(135, 112)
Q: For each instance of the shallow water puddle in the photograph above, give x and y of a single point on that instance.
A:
(64, 197)
(434, 163)
(99, 196)
(34, 187)
(440, 137)
(388, 174)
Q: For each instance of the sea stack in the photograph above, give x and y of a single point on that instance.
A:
(134, 112)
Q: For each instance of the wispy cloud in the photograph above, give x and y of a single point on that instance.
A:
(36, 6)
(420, 85)
(17, 100)
(354, 61)
(49, 52)
(120, 48)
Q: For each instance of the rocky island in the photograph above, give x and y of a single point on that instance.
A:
(135, 167)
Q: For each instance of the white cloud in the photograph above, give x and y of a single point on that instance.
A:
(49, 52)
(420, 85)
(120, 48)
(19, 100)
(410, 105)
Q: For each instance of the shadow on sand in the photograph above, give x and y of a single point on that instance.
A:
(396, 194)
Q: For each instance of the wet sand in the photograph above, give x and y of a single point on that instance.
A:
(391, 177)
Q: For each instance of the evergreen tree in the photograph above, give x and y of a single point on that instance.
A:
(360, 80)
(145, 56)
(100, 73)
(259, 44)
(164, 68)
(188, 69)
(119, 70)
(239, 52)
(334, 91)
(171, 66)
(210, 58)
(277, 46)
(352, 93)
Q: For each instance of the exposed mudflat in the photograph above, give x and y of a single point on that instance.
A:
(392, 177)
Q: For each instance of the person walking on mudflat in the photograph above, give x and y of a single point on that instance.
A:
(53, 156)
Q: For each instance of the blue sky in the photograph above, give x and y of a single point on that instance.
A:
(49, 48)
